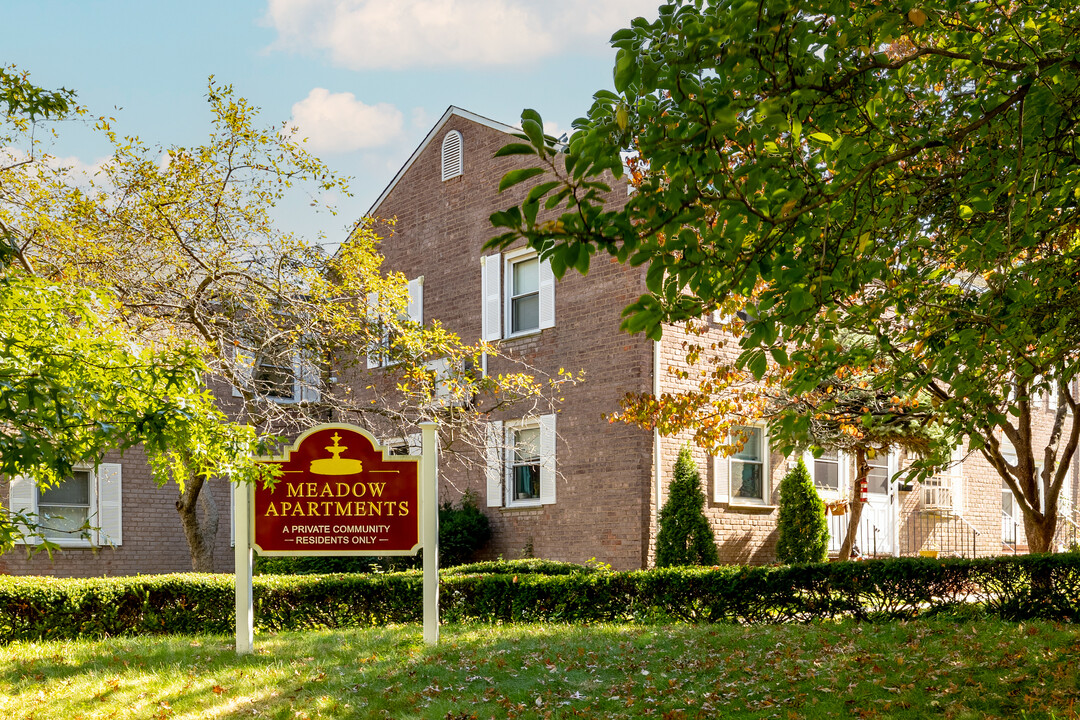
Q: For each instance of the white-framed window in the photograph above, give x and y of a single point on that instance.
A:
(521, 462)
(408, 445)
(522, 295)
(64, 509)
(275, 373)
(744, 478)
(84, 510)
(453, 156)
(828, 470)
(446, 378)
(278, 372)
(378, 352)
(518, 292)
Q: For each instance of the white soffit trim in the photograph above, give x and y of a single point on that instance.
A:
(451, 111)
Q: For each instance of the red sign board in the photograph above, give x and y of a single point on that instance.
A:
(339, 493)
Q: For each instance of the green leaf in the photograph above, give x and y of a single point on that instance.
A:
(535, 131)
(515, 149)
(541, 190)
(625, 69)
(520, 175)
(758, 364)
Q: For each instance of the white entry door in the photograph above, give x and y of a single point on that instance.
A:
(877, 531)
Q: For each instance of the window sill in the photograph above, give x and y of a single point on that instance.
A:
(74, 544)
(523, 334)
(523, 506)
(743, 506)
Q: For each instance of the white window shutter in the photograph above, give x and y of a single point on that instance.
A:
(373, 351)
(491, 310)
(245, 367)
(494, 472)
(721, 479)
(452, 155)
(766, 467)
(442, 396)
(23, 498)
(547, 295)
(509, 452)
(547, 459)
(110, 519)
(956, 478)
(307, 373)
(416, 300)
(415, 442)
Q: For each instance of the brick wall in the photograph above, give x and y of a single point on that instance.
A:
(153, 541)
(747, 534)
(602, 507)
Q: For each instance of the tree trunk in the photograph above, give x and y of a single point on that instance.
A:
(1040, 530)
(855, 505)
(200, 534)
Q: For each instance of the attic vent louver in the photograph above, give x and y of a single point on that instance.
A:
(452, 164)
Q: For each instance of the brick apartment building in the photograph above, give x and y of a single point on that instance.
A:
(566, 484)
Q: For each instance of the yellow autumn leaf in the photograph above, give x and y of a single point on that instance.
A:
(917, 17)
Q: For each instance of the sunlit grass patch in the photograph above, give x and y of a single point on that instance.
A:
(934, 667)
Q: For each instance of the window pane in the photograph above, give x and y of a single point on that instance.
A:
(878, 478)
(527, 445)
(274, 381)
(525, 313)
(73, 491)
(526, 482)
(746, 480)
(752, 449)
(827, 470)
(62, 522)
(526, 277)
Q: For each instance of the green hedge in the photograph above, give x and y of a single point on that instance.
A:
(1014, 588)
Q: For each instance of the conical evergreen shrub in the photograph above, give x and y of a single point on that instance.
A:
(803, 530)
(685, 536)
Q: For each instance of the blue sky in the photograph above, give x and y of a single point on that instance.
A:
(364, 80)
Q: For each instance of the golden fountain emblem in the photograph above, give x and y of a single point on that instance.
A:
(336, 465)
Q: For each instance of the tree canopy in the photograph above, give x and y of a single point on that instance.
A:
(875, 181)
(183, 248)
(75, 383)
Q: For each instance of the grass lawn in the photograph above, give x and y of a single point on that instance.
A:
(936, 668)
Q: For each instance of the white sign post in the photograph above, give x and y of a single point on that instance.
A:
(429, 494)
(245, 599)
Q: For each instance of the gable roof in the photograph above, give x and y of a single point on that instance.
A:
(450, 112)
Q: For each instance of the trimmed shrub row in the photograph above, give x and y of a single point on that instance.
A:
(1014, 588)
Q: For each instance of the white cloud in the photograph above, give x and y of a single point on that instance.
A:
(338, 122)
(71, 168)
(366, 34)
